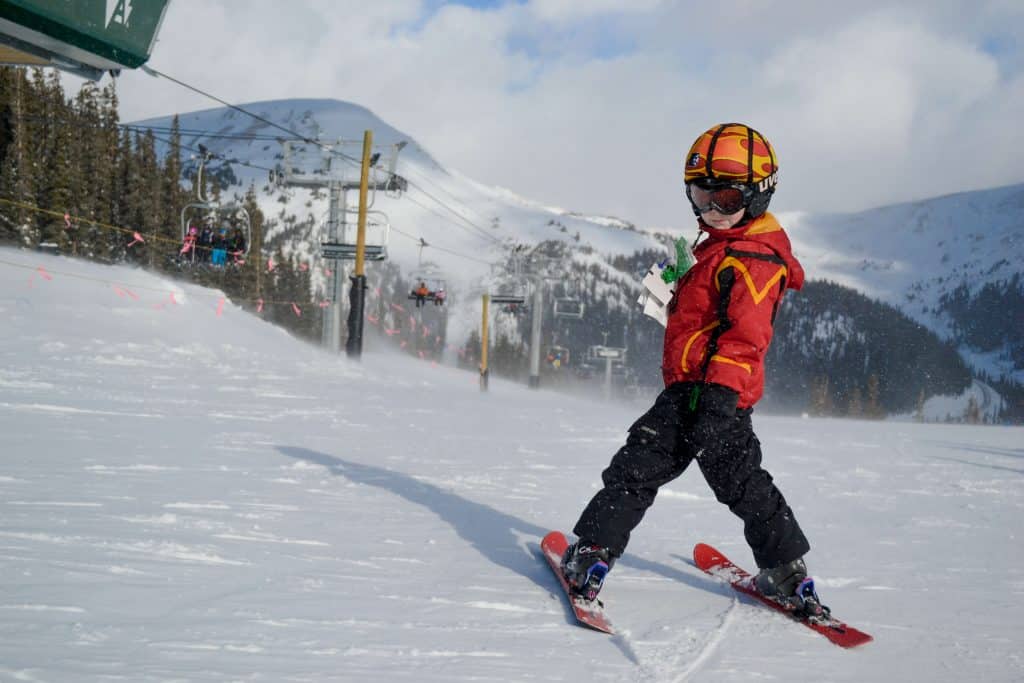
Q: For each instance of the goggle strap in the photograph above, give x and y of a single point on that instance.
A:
(750, 154)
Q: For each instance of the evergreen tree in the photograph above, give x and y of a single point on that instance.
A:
(151, 220)
(829, 329)
(919, 407)
(856, 405)
(173, 197)
(126, 198)
(18, 173)
(972, 414)
(821, 402)
(110, 186)
(874, 408)
(91, 164)
(254, 260)
(471, 355)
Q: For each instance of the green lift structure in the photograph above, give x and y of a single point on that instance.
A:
(84, 37)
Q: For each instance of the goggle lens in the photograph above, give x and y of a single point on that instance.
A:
(725, 200)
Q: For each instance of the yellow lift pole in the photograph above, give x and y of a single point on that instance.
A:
(483, 345)
(354, 346)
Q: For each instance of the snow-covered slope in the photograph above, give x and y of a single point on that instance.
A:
(911, 255)
(194, 496)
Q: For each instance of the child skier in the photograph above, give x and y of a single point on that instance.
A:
(719, 327)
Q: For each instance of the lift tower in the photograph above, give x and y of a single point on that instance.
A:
(331, 167)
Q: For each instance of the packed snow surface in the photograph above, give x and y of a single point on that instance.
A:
(187, 495)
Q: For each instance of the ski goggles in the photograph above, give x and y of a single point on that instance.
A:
(724, 197)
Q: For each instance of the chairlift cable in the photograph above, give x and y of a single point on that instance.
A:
(476, 227)
(358, 162)
(130, 127)
(442, 189)
(155, 72)
(214, 155)
(444, 249)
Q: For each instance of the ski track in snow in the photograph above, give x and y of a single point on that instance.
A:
(714, 640)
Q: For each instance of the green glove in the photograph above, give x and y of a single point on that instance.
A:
(684, 261)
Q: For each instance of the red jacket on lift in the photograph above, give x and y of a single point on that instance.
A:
(720, 318)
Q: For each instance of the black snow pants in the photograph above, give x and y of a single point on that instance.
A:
(658, 450)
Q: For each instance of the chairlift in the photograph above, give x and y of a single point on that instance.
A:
(378, 231)
(599, 353)
(316, 164)
(512, 294)
(429, 287)
(217, 217)
(567, 307)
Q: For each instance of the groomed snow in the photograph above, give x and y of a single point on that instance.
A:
(198, 497)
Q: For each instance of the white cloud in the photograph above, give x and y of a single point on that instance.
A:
(592, 105)
(877, 107)
(564, 10)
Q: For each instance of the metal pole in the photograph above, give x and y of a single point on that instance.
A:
(354, 347)
(483, 345)
(538, 317)
(331, 335)
(608, 378)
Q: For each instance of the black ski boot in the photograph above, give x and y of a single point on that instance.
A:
(781, 581)
(585, 565)
(789, 585)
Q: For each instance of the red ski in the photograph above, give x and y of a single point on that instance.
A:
(587, 613)
(718, 565)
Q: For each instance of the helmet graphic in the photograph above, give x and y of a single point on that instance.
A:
(734, 154)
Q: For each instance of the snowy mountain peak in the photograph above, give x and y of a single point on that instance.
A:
(919, 255)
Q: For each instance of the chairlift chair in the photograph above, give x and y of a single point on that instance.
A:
(434, 284)
(512, 293)
(567, 307)
(206, 212)
(378, 231)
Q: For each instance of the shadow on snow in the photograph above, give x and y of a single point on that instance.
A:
(492, 533)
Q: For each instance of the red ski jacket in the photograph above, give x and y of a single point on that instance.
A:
(721, 315)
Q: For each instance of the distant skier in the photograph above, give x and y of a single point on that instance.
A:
(219, 256)
(439, 297)
(236, 245)
(188, 247)
(421, 293)
(719, 327)
(205, 244)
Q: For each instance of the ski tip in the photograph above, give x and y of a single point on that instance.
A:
(703, 553)
(555, 542)
(552, 536)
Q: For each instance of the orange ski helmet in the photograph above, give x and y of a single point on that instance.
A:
(734, 153)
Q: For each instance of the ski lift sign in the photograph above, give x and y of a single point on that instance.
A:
(87, 37)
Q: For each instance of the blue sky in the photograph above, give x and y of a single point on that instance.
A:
(478, 4)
